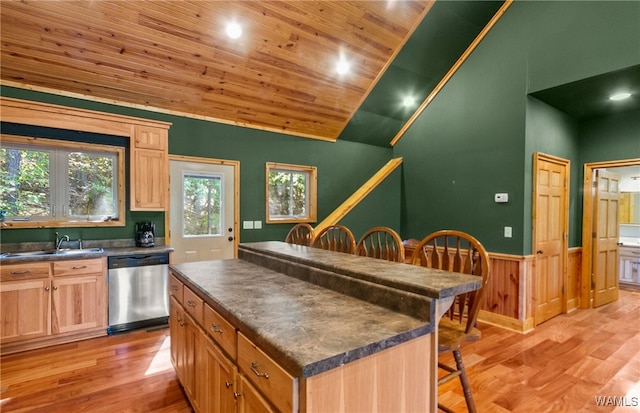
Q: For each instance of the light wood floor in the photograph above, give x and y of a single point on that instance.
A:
(560, 367)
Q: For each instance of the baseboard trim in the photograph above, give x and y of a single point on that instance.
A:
(505, 322)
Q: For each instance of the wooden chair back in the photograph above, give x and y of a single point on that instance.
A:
(300, 234)
(456, 251)
(382, 243)
(335, 238)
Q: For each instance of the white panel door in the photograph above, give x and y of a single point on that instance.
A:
(202, 211)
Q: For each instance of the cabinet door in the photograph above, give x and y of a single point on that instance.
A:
(192, 361)
(147, 137)
(78, 303)
(249, 400)
(177, 335)
(149, 180)
(24, 310)
(218, 378)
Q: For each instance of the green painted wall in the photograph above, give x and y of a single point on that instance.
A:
(342, 168)
(478, 136)
(550, 131)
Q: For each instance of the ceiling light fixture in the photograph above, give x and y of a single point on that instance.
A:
(408, 101)
(342, 67)
(234, 30)
(620, 96)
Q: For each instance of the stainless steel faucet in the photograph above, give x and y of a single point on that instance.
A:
(60, 240)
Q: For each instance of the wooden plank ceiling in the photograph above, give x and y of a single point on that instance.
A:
(174, 56)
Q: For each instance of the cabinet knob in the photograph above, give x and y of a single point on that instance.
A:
(46, 288)
(55, 288)
(228, 384)
(236, 395)
(215, 328)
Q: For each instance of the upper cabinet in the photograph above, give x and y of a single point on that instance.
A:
(149, 169)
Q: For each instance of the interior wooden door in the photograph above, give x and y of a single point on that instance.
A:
(550, 236)
(606, 213)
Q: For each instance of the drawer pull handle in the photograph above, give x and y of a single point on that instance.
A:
(228, 384)
(191, 303)
(254, 369)
(174, 288)
(236, 395)
(20, 272)
(215, 328)
(78, 268)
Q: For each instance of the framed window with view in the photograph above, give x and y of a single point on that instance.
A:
(291, 193)
(53, 183)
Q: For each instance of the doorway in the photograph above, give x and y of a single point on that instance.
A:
(604, 280)
(203, 222)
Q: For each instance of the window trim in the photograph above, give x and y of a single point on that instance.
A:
(119, 151)
(312, 185)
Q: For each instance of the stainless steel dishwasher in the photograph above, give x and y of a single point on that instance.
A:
(138, 296)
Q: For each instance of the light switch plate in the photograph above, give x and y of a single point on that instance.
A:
(508, 232)
(247, 224)
(257, 224)
(501, 197)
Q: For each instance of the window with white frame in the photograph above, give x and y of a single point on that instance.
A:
(59, 183)
(291, 193)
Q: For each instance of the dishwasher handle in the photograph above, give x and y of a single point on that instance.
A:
(137, 260)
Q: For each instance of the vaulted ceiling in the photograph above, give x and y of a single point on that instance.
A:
(279, 75)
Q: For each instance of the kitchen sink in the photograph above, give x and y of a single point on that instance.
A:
(67, 251)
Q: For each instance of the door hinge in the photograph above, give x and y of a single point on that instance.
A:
(594, 235)
(595, 184)
(593, 281)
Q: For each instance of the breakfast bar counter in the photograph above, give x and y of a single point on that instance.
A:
(315, 314)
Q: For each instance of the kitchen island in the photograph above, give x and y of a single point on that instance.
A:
(295, 328)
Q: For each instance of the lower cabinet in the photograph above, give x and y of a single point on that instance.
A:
(24, 306)
(629, 265)
(223, 371)
(250, 401)
(45, 303)
(218, 382)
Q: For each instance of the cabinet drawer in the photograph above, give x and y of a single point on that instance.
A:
(220, 330)
(264, 373)
(175, 288)
(16, 272)
(193, 304)
(78, 267)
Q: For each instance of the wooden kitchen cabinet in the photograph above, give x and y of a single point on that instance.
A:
(46, 303)
(149, 169)
(218, 380)
(250, 401)
(24, 310)
(629, 265)
(186, 351)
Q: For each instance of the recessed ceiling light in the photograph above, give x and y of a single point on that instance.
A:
(620, 96)
(342, 67)
(408, 101)
(234, 30)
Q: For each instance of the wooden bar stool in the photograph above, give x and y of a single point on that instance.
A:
(459, 252)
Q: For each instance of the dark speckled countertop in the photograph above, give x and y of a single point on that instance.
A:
(306, 326)
(82, 254)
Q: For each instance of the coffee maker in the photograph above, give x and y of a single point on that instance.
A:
(145, 234)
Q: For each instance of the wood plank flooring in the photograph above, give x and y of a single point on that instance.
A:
(560, 367)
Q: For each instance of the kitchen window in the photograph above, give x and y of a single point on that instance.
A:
(51, 183)
(291, 193)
